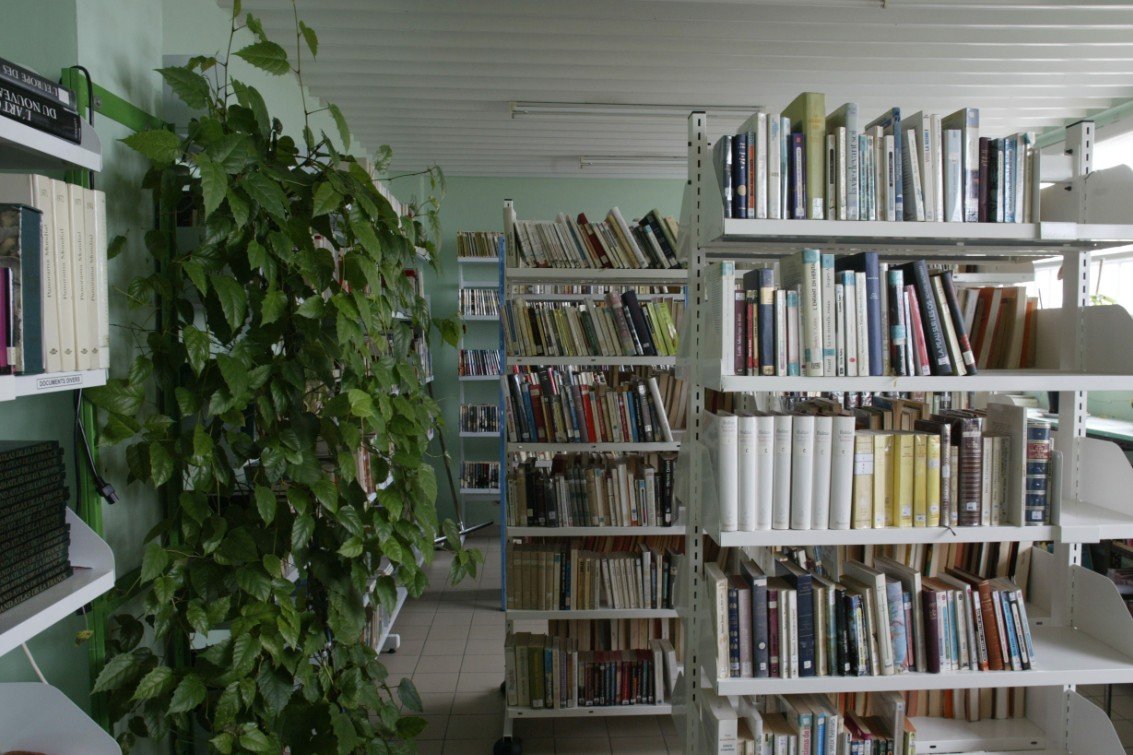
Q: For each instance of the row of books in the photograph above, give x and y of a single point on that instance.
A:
(568, 406)
(806, 164)
(871, 620)
(479, 418)
(480, 475)
(847, 316)
(54, 302)
(615, 326)
(817, 471)
(620, 634)
(479, 302)
(38, 102)
(34, 535)
(566, 242)
(593, 573)
(479, 362)
(573, 490)
(548, 672)
(483, 244)
(1003, 322)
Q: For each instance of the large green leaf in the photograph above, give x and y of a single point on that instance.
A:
(156, 682)
(233, 152)
(267, 56)
(233, 299)
(161, 146)
(190, 86)
(311, 38)
(302, 530)
(189, 694)
(198, 347)
(272, 307)
(326, 200)
(340, 124)
(266, 503)
(254, 740)
(160, 464)
(361, 405)
(119, 670)
(235, 373)
(251, 98)
(275, 687)
(245, 651)
(154, 561)
(214, 184)
(266, 193)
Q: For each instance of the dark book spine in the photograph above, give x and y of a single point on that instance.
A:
(739, 348)
(739, 176)
(637, 317)
(39, 112)
(18, 451)
(760, 658)
(654, 224)
(773, 633)
(858, 663)
(930, 319)
(896, 284)
(767, 321)
(40, 85)
(985, 150)
(971, 472)
(806, 624)
(958, 321)
(24, 290)
(31, 591)
(667, 469)
(842, 636)
(994, 146)
(932, 631)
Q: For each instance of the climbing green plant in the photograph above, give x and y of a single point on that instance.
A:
(282, 345)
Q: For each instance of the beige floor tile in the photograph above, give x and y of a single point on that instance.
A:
(440, 664)
(472, 703)
(480, 682)
(474, 726)
(582, 746)
(430, 747)
(484, 647)
(397, 663)
(639, 745)
(442, 630)
(435, 703)
(415, 619)
(435, 727)
(538, 746)
(470, 746)
(534, 728)
(572, 728)
(443, 647)
(482, 663)
(635, 726)
(435, 682)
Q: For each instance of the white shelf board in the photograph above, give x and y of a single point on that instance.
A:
(478, 378)
(17, 386)
(620, 711)
(495, 492)
(677, 529)
(520, 614)
(600, 361)
(945, 735)
(988, 380)
(560, 296)
(883, 536)
(479, 434)
(28, 149)
(1063, 656)
(480, 318)
(592, 447)
(93, 564)
(593, 275)
(924, 237)
(477, 260)
(39, 718)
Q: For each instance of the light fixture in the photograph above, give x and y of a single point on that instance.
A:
(633, 161)
(530, 109)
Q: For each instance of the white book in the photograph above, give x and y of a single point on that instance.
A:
(937, 159)
(910, 164)
(760, 166)
(886, 335)
(86, 284)
(803, 269)
(841, 472)
(862, 317)
(866, 175)
(820, 487)
(841, 162)
(64, 267)
(829, 315)
(781, 475)
(748, 470)
(775, 167)
(953, 176)
(1022, 175)
(849, 321)
(879, 176)
(725, 440)
(846, 117)
(875, 580)
(765, 469)
(891, 178)
(919, 127)
(780, 332)
(967, 122)
(802, 471)
(840, 337)
(718, 605)
(721, 288)
(659, 415)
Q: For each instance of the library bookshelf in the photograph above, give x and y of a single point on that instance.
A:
(546, 284)
(1082, 630)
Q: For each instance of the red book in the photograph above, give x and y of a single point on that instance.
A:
(920, 348)
(536, 394)
(587, 410)
(593, 241)
(752, 344)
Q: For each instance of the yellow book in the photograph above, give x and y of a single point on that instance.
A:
(668, 324)
(932, 487)
(920, 480)
(862, 502)
(882, 479)
(901, 504)
(660, 336)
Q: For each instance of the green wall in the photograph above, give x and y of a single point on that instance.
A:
(476, 204)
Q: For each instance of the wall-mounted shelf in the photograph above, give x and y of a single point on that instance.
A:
(28, 149)
(16, 386)
(39, 718)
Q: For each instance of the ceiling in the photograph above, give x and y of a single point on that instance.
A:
(434, 78)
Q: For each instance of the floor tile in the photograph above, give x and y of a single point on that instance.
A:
(536, 728)
(539, 746)
(474, 726)
(443, 647)
(485, 647)
(399, 662)
(469, 746)
(481, 663)
(639, 745)
(435, 703)
(581, 746)
(572, 728)
(480, 682)
(471, 703)
(435, 682)
(636, 726)
(440, 664)
(435, 727)
(445, 631)
(430, 747)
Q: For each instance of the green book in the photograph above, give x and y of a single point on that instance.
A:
(807, 115)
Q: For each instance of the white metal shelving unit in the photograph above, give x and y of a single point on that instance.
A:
(1082, 630)
(547, 278)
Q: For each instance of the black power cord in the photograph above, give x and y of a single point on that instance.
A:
(90, 110)
(104, 488)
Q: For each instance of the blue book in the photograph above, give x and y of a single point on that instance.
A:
(800, 579)
(739, 176)
(796, 169)
(867, 262)
(890, 122)
(733, 632)
(1003, 605)
(897, 626)
(757, 580)
(20, 255)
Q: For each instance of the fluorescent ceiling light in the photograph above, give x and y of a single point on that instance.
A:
(638, 161)
(528, 109)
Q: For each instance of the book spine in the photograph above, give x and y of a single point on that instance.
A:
(38, 111)
(766, 321)
(958, 321)
(930, 319)
(760, 661)
(806, 628)
(971, 473)
(41, 85)
(739, 175)
(829, 315)
(798, 172)
(897, 333)
(984, 179)
(733, 632)
(873, 302)
(810, 306)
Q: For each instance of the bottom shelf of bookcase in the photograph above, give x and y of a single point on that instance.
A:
(601, 711)
(39, 718)
(948, 735)
(16, 386)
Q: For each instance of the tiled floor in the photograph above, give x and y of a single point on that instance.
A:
(452, 642)
(452, 646)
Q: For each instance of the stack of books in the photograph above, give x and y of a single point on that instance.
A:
(648, 243)
(33, 506)
(816, 469)
(572, 490)
(479, 302)
(567, 406)
(479, 418)
(38, 102)
(480, 475)
(54, 304)
(549, 672)
(593, 573)
(615, 326)
(804, 163)
(480, 362)
(874, 620)
(1002, 322)
(854, 316)
(482, 244)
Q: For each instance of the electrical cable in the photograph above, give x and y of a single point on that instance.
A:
(90, 110)
(104, 488)
(34, 665)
